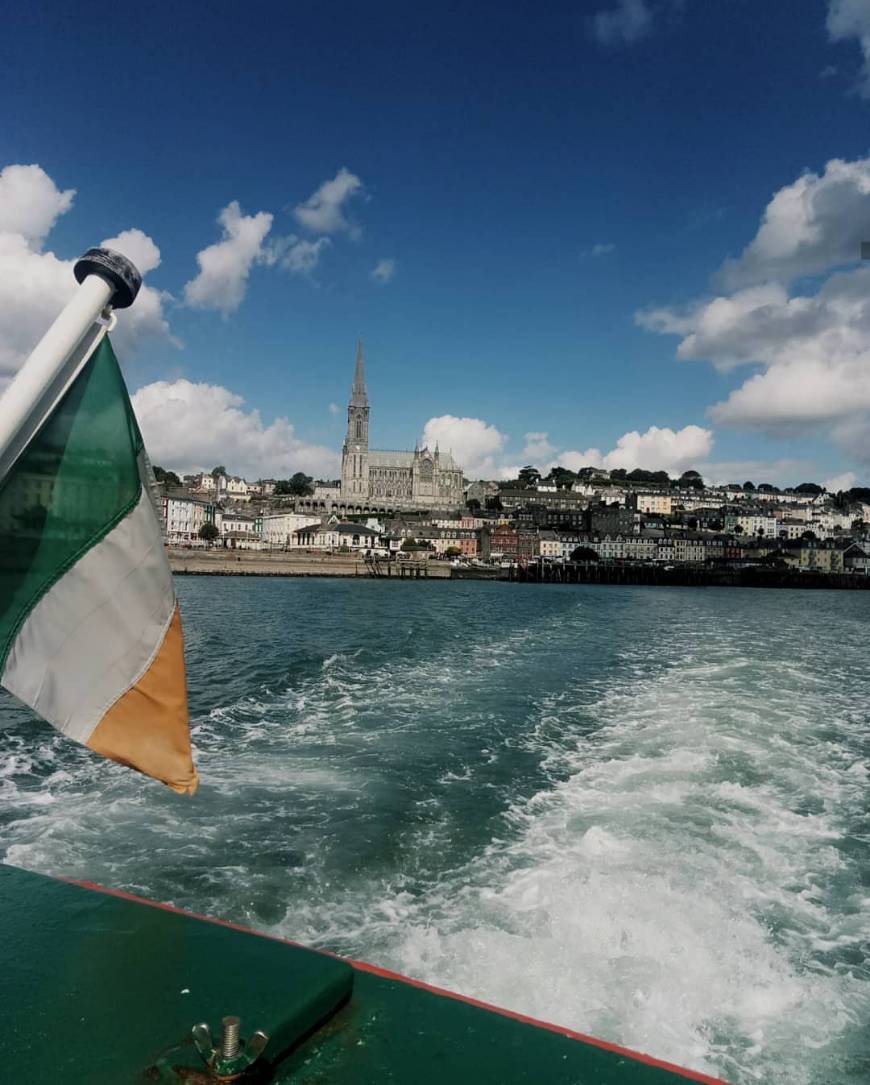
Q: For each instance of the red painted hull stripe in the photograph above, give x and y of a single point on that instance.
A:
(384, 973)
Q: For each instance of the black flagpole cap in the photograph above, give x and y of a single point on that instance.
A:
(117, 270)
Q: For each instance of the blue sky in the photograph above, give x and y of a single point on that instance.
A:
(534, 176)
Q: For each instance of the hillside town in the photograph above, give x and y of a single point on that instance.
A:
(616, 517)
(418, 506)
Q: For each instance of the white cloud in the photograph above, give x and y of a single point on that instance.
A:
(481, 449)
(334, 408)
(191, 427)
(845, 481)
(35, 284)
(384, 270)
(658, 449)
(31, 203)
(325, 210)
(811, 225)
(785, 471)
(303, 256)
(603, 248)
(812, 350)
(475, 444)
(137, 247)
(225, 266)
(538, 447)
(849, 19)
(628, 22)
(294, 254)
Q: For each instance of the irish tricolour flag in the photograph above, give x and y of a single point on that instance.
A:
(90, 635)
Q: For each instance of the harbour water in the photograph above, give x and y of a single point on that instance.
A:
(642, 813)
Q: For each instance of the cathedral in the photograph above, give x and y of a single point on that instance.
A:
(398, 479)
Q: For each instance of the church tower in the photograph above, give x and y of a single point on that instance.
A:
(355, 451)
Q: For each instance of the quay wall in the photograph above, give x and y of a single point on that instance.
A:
(289, 563)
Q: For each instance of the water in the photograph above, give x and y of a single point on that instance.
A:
(642, 813)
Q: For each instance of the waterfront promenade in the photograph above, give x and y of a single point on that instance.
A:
(308, 564)
(290, 563)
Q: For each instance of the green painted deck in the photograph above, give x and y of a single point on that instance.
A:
(103, 989)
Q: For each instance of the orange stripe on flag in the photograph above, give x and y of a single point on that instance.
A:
(147, 728)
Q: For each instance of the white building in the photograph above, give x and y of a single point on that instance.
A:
(279, 528)
(236, 489)
(183, 517)
(658, 503)
(239, 531)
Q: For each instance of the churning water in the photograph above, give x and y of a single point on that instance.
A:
(642, 813)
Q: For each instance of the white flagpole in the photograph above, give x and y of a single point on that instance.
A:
(107, 280)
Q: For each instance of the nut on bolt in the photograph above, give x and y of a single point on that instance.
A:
(234, 1055)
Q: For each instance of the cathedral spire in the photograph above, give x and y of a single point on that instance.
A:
(359, 396)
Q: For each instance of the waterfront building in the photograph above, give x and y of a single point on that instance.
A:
(392, 479)
(239, 530)
(549, 545)
(336, 534)
(279, 528)
(183, 517)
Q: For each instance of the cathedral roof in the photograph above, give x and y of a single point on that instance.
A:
(390, 458)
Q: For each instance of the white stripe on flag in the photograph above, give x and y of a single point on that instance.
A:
(95, 632)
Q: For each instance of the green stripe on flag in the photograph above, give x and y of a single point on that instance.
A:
(77, 478)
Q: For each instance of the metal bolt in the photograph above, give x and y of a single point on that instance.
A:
(230, 1037)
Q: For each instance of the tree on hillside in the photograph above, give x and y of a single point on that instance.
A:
(766, 488)
(808, 488)
(208, 533)
(168, 477)
(473, 505)
(493, 504)
(529, 476)
(809, 536)
(216, 472)
(749, 487)
(562, 477)
(298, 485)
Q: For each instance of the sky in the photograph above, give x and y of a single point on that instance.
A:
(615, 232)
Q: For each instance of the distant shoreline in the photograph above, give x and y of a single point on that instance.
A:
(282, 564)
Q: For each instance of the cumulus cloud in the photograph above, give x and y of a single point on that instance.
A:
(849, 19)
(811, 350)
(31, 203)
(658, 449)
(325, 211)
(538, 447)
(785, 471)
(225, 266)
(136, 246)
(475, 444)
(35, 283)
(482, 449)
(191, 427)
(811, 225)
(384, 270)
(603, 248)
(627, 22)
